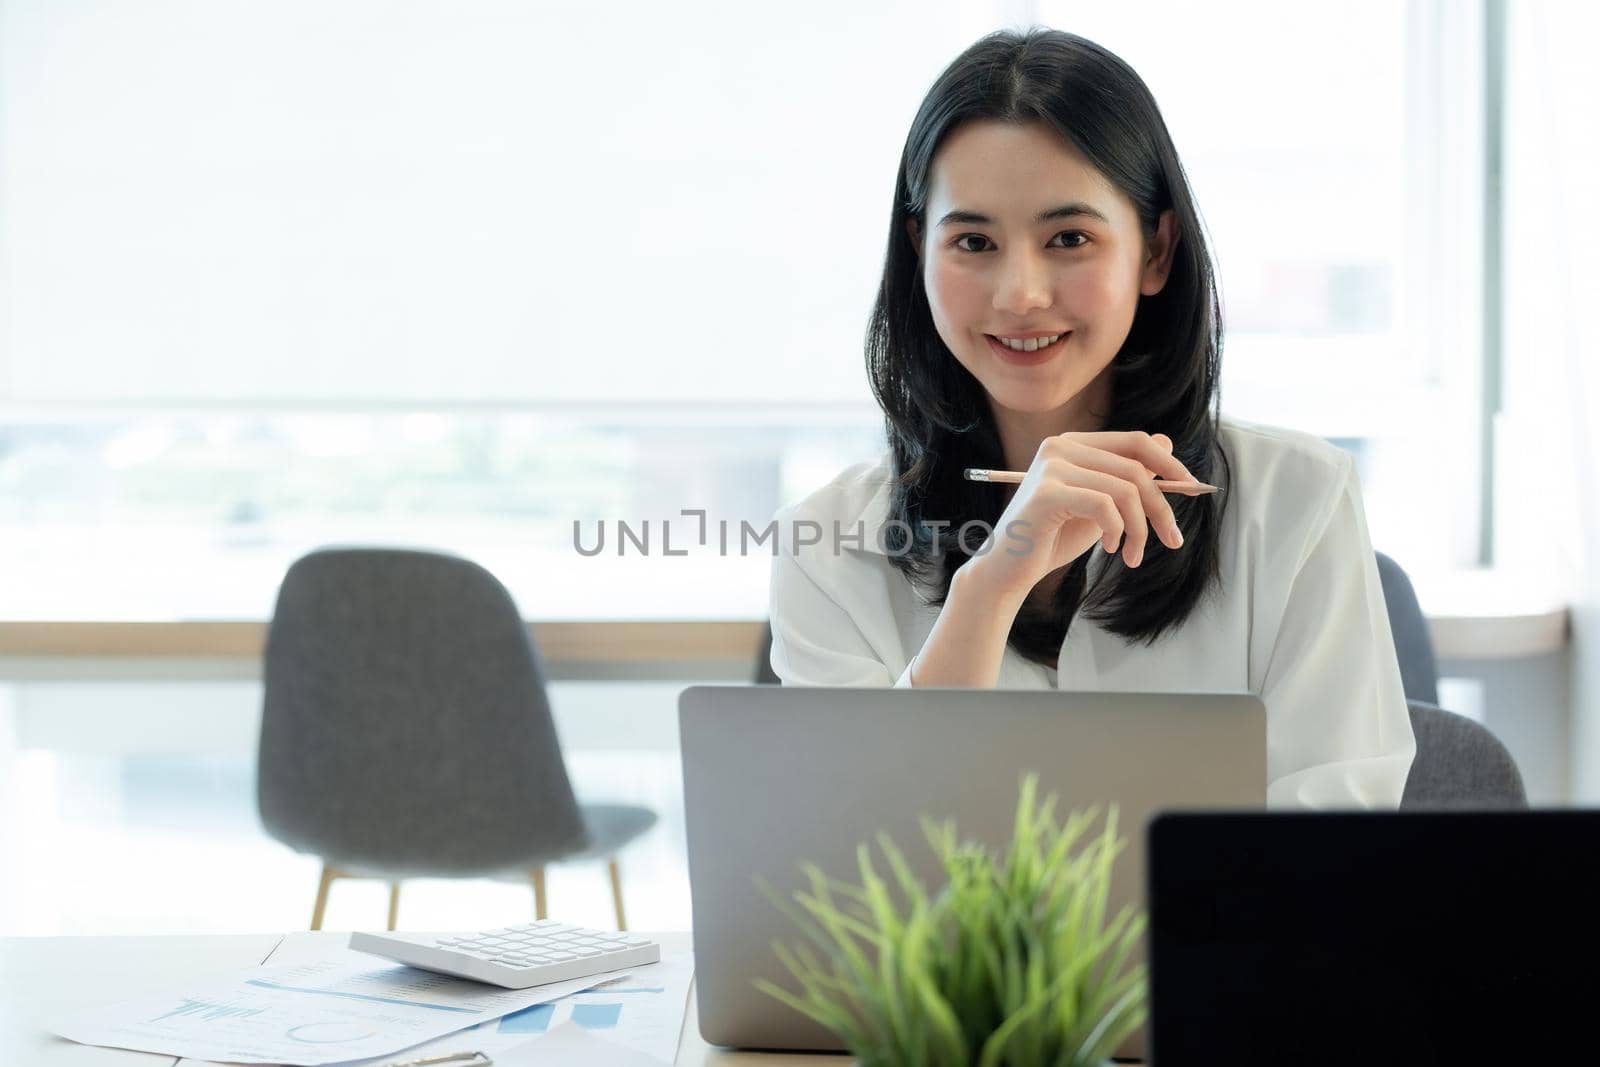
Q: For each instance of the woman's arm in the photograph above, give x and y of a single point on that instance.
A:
(816, 641)
(1338, 730)
(968, 641)
(1082, 491)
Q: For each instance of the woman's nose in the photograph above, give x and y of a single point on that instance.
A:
(1023, 284)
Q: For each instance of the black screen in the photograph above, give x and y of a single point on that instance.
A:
(1373, 938)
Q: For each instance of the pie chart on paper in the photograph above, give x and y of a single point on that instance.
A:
(329, 1033)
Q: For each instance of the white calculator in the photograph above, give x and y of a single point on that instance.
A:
(515, 956)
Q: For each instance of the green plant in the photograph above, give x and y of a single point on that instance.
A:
(1011, 963)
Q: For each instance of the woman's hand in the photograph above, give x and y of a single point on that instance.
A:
(1081, 489)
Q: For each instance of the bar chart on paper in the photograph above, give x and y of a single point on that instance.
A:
(592, 1011)
(208, 1011)
(644, 1012)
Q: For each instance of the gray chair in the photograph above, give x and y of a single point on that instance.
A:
(765, 675)
(406, 732)
(1419, 670)
(1459, 764)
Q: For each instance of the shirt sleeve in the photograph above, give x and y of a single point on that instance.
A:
(815, 641)
(1338, 730)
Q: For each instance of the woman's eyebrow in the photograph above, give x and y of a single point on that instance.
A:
(1065, 211)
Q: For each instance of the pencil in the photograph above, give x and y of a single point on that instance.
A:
(978, 474)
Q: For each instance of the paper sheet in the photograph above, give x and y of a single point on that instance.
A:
(642, 1016)
(338, 1008)
(571, 1043)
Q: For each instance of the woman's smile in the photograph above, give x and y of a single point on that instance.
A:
(1023, 358)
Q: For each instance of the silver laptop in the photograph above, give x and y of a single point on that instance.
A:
(776, 776)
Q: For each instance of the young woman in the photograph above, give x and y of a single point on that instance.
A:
(1048, 306)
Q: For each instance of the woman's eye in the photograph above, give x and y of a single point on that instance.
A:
(1080, 241)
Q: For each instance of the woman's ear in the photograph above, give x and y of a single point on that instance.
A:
(1158, 260)
(915, 232)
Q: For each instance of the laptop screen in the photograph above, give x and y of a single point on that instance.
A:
(1406, 938)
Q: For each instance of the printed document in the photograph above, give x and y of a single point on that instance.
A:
(343, 1007)
(642, 1016)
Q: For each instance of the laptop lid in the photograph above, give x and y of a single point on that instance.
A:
(1372, 938)
(779, 776)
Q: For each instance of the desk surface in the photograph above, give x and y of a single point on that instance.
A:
(42, 976)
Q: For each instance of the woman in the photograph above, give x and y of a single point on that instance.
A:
(1048, 306)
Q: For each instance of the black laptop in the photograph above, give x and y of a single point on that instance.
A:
(1407, 939)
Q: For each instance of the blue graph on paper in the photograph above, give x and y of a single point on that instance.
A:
(597, 1016)
(208, 1011)
(536, 1020)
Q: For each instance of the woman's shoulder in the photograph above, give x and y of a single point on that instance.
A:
(1287, 486)
(1290, 465)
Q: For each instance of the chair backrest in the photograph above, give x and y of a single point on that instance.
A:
(1459, 764)
(405, 725)
(765, 675)
(1419, 671)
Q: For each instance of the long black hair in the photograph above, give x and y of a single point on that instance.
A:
(1164, 378)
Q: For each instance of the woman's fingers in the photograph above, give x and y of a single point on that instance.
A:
(1158, 449)
(1152, 450)
(1132, 472)
(1124, 494)
(1100, 509)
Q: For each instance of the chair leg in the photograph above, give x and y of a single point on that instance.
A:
(616, 892)
(539, 909)
(394, 903)
(329, 873)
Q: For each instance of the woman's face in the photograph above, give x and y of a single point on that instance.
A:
(1027, 241)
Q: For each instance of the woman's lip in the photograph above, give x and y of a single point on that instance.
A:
(1026, 359)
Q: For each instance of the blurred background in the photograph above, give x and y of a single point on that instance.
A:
(457, 275)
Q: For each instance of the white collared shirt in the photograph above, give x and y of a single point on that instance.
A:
(1300, 618)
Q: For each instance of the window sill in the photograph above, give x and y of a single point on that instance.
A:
(1481, 614)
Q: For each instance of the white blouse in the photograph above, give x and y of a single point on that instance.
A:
(1299, 620)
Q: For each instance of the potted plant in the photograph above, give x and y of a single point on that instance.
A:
(1013, 962)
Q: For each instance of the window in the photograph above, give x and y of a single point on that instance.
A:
(459, 275)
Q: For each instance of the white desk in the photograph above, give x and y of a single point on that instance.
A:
(44, 975)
